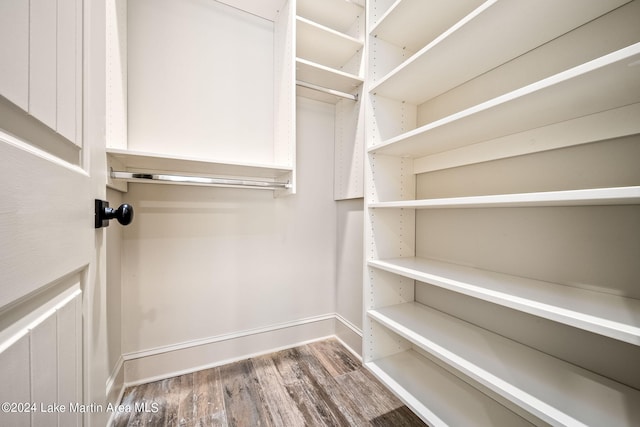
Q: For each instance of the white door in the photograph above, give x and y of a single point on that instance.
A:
(52, 167)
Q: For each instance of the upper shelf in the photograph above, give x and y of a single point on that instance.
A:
(610, 124)
(602, 84)
(323, 45)
(145, 161)
(323, 94)
(427, 19)
(467, 49)
(601, 313)
(339, 15)
(320, 75)
(583, 197)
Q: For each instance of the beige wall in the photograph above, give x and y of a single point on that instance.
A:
(202, 267)
(201, 262)
(349, 253)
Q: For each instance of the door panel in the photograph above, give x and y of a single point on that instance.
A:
(46, 247)
(42, 61)
(69, 318)
(14, 370)
(40, 364)
(46, 219)
(44, 366)
(14, 51)
(68, 71)
(52, 310)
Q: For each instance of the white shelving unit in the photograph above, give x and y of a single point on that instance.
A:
(329, 67)
(429, 18)
(329, 48)
(204, 147)
(580, 91)
(324, 45)
(326, 78)
(448, 401)
(318, 54)
(548, 388)
(501, 83)
(609, 315)
(452, 58)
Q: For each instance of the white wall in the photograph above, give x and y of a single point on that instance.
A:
(349, 255)
(201, 262)
(210, 274)
(200, 80)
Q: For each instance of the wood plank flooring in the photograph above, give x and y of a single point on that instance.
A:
(319, 384)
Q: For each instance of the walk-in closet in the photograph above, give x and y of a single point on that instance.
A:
(320, 213)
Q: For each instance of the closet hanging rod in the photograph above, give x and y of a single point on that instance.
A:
(186, 179)
(327, 90)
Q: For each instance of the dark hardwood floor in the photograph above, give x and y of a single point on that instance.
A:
(319, 384)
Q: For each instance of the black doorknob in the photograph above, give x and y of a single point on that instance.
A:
(124, 214)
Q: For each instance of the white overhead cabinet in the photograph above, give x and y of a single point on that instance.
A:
(502, 210)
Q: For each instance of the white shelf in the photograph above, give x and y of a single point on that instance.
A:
(320, 44)
(146, 161)
(327, 77)
(339, 15)
(426, 18)
(577, 91)
(605, 83)
(467, 49)
(601, 313)
(322, 95)
(610, 124)
(550, 389)
(586, 197)
(437, 396)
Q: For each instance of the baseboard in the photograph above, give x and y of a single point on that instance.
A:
(349, 335)
(161, 363)
(115, 382)
(165, 362)
(115, 386)
(157, 364)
